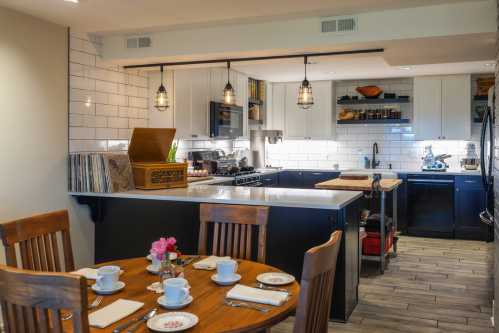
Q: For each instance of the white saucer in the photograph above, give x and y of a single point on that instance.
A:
(153, 270)
(164, 303)
(172, 322)
(227, 282)
(275, 278)
(119, 285)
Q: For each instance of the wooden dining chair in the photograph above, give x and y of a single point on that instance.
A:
(32, 301)
(37, 240)
(316, 289)
(233, 230)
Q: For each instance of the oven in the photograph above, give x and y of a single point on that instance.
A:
(226, 121)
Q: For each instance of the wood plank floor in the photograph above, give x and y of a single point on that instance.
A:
(433, 285)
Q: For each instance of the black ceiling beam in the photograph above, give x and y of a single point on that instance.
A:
(284, 56)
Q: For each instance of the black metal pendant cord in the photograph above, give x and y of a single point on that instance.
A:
(284, 56)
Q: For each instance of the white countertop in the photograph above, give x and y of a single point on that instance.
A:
(282, 197)
(452, 172)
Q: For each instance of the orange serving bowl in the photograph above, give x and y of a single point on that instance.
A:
(370, 91)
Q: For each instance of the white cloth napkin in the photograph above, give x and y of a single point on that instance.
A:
(113, 312)
(209, 263)
(89, 273)
(245, 293)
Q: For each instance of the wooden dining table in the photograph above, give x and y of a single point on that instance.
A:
(208, 304)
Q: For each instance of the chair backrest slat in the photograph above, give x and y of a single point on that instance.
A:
(36, 237)
(233, 227)
(32, 301)
(314, 304)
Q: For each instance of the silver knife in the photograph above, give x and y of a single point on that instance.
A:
(142, 320)
(121, 327)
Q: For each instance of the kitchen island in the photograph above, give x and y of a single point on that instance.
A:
(127, 222)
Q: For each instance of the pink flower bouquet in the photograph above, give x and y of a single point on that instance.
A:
(161, 247)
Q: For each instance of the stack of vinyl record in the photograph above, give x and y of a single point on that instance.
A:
(100, 172)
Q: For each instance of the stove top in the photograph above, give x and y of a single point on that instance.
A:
(235, 172)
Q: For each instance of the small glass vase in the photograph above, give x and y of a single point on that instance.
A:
(167, 270)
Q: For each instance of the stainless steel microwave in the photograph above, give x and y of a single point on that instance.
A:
(226, 121)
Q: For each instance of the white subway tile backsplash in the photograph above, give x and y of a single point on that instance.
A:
(81, 108)
(106, 133)
(81, 83)
(106, 110)
(105, 86)
(115, 122)
(105, 100)
(81, 133)
(124, 133)
(87, 145)
(132, 123)
(138, 102)
(82, 58)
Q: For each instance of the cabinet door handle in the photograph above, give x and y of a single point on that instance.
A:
(470, 181)
(316, 173)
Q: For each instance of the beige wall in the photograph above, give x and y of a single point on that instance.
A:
(34, 126)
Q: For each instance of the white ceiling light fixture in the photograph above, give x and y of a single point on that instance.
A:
(405, 68)
(305, 96)
(161, 99)
(72, 1)
(490, 64)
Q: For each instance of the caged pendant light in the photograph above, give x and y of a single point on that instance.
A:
(161, 100)
(305, 97)
(229, 95)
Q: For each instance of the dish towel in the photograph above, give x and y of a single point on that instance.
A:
(113, 312)
(245, 293)
(209, 263)
(89, 273)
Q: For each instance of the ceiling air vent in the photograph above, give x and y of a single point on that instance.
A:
(339, 25)
(138, 42)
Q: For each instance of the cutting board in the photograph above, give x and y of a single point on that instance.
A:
(387, 185)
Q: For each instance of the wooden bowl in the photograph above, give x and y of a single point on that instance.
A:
(369, 91)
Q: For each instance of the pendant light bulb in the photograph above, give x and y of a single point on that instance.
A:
(229, 94)
(161, 99)
(305, 96)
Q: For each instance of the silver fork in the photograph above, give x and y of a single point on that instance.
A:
(246, 305)
(97, 301)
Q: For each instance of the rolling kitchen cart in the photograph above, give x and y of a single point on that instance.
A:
(366, 185)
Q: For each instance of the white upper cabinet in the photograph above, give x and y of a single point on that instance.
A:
(276, 105)
(442, 107)
(294, 117)
(194, 89)
(192, 103)
(320, 116)
(456, 106)
(427, 107)
(316, 123)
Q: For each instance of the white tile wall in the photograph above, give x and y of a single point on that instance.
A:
(396, 147)
(106, 102)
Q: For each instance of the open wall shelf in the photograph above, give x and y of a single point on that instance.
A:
(374, 121)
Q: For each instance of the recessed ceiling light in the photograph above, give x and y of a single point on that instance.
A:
(331, 72)
(405, 68)
(72, 1)
(490, 64)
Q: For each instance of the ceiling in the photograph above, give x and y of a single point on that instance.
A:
(471, 53)
(108, 16)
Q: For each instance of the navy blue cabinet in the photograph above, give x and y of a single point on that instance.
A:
(469, 202)
(310, 178)
(291, 179)
(271, 180)
(304, 179)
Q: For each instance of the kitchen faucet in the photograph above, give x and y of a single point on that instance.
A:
(375, 163)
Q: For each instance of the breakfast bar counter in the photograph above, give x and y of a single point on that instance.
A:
(127, 222)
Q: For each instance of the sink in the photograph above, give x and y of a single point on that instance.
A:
(385, 173)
